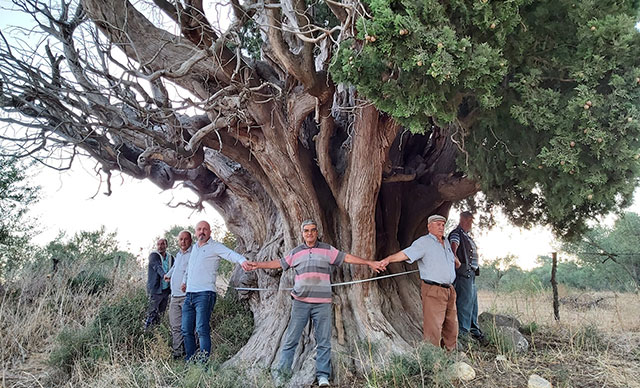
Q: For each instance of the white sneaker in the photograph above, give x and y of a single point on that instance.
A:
(323, 381)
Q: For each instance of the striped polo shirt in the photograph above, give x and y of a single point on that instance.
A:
(313, 271)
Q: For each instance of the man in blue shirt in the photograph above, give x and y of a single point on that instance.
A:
(436, 263)
(199, 283)
(157, 288)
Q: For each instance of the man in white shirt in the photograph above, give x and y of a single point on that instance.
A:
(199, 283)
(175, 275)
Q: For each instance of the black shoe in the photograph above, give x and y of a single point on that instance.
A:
(481, 338)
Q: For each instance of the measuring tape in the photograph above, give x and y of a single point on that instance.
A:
(333, 285)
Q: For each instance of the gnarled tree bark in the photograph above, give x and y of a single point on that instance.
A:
(271, 143)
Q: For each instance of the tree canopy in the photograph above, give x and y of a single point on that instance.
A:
(546, 95)
(540, 98)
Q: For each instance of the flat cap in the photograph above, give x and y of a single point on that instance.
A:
(436, 217)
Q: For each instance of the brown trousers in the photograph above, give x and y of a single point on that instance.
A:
(440, 319)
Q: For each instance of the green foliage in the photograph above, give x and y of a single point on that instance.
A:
(97, 247)
(529, 328)
(614, 251)
(16, 194)
(588, 339)
(543, 95)
(496, 276)
(417, 60)
(232, 325)
(427, 366)
(250, 39)
(118, 326)
(89, 281)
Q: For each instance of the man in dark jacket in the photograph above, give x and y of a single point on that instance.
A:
(157, 288)
(466, 271)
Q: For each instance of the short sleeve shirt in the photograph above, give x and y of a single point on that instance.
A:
(436, 262)
(312, 265)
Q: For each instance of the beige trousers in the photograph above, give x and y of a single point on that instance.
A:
(175, 321)
(440, 319)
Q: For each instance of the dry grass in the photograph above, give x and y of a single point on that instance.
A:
(595, 344)
(33, 311)
(614, 312)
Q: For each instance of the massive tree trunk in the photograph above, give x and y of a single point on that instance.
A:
(268, 143)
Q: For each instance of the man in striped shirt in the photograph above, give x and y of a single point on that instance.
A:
(311, 294)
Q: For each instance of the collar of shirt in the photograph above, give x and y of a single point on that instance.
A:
(433, 237)
(185, 252)
(208, 242)
(314, 245)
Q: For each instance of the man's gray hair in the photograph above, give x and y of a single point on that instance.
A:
(308, 222)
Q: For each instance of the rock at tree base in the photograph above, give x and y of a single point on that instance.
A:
(462, 371)
(512, 339)
(536, 381)
(498, 320)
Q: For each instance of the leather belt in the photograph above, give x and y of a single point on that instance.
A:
(437, 284)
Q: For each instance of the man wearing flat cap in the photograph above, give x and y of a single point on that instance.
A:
(436, 263)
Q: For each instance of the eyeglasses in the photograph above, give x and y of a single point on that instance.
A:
(314, 230)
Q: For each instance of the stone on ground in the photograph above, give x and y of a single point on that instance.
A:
(536, 381)
(462, 371)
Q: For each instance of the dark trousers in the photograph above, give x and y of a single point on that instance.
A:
(467, 304)
(157, 305)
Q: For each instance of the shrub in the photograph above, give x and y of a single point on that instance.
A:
(588, 338)
(91, 282)
(427, 366)
(232, 325)
(117, 325)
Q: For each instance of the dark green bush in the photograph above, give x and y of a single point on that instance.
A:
(117, 326)
(91, 282)
(427, 366)
(232, 325)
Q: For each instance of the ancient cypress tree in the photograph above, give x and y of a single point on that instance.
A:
(367, 116)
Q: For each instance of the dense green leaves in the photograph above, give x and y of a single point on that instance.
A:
(547, 94)
(16, 194)
(615, 250)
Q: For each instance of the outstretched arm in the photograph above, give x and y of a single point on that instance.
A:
(273, 264)
(396, 257)
(377, 266)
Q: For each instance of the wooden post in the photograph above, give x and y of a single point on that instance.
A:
(554, 285)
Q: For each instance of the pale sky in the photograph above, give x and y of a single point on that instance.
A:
(137, 209)
(138, 212)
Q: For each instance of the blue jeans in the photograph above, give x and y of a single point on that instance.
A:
(467, 304)
(196, 314)
(320, 314)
